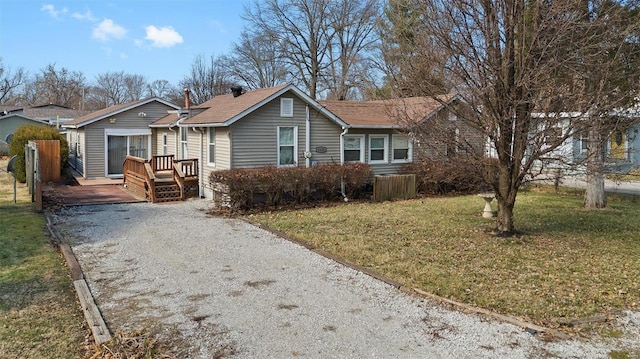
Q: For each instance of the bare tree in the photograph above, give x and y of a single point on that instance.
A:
(321, 41)
(300, 28)
(110, 89)
(136, 86)
(516, 64)
(353, 25)
(113, 88)
(207, 78)
(10, 83)
(52, 86)
(160, 88)
(256, 61)
(617, 85)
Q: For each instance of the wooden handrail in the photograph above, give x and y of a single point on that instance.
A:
(142, 169)
(150, 178)
(183, 169)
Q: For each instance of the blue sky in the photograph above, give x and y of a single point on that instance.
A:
(157, 39)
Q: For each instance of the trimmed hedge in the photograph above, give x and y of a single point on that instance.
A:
(27, 133)
(273, 186)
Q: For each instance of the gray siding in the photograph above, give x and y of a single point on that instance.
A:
(171, 141)
(222, 158)
(254, 138)
(95, 133)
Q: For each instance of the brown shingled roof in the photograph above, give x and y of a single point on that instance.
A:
(224, 108)
(386, 113)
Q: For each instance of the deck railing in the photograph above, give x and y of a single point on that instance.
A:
(162, 163)
(140, 175)
(185, 173)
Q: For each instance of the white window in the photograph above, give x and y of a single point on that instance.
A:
(378, 149)
(286, 107)
(353, 148)
(212, 146)
(583, 141)
(287, 146)
(165, 146)
(184, 149)
(402, 149)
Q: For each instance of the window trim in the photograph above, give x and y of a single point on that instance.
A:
(409, 158)
(165, 144)
(362, 148)
(286, 107)
(385, 149)
(583, 139)
(295, 146)
(211, 145)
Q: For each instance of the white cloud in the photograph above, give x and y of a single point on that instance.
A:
(52, 10)
(86, 16)
(107, 29)
(163, 37)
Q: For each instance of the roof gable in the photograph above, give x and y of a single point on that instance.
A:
(10, 115)
(224, 110)
(112, 111)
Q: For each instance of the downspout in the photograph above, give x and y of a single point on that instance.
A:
(200, 162)
(345, 130)
(307, 139)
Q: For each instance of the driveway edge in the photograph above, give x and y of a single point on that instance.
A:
(91, 312)
(527, 326)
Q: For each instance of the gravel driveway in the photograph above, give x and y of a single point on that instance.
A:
(222, 286)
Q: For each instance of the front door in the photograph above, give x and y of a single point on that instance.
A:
(618, 144)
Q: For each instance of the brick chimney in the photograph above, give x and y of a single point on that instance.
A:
(187, 102)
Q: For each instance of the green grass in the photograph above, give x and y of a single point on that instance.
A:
(39, 314)
(567, 263)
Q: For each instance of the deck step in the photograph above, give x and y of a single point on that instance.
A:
(167, 192)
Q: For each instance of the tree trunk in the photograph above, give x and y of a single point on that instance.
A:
(506, 197)
(505, 217)
(594, 196)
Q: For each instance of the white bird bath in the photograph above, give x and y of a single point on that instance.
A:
(488, 198)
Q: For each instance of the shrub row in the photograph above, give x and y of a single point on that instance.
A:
(272, 186)
(461, 176)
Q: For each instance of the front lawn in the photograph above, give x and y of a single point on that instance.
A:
(39, 313)
(568, 263)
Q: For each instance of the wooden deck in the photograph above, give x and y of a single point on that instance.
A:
(161, 179)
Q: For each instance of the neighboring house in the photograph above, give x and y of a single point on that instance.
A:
(54, 115)
(621, 150)
(9, 124)
(100, 141)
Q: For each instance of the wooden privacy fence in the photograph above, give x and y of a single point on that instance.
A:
(394, 186)
(42, 162)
